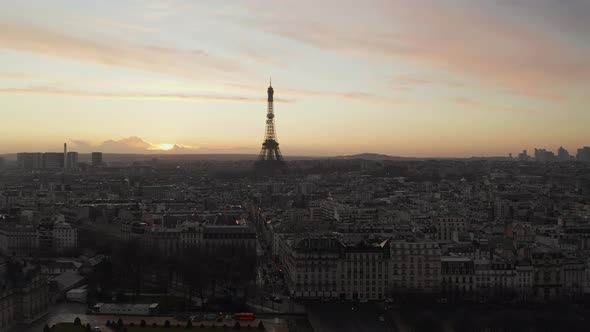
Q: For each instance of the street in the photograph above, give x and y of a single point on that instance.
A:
(343, 317)
(67, 312)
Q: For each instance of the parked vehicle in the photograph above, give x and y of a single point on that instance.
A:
(245, 316)
(210, 317)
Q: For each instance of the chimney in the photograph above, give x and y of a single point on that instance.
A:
(65, 156)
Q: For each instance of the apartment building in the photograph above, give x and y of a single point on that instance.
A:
(415, 265)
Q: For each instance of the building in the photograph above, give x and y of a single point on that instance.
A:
(53, 160)
(458, 275)
(544, 155)
(583, 154)
(523, 282)
(18, 240)
(312, 267)
(523, 156)
(29, 161)
(72, 161)
(415, 266)
(96, 159)
(64, 237)
(494, 277)
(548, 274)
(208, 236)
(574, 270)
(364, 271)
(449, 228)
(563, 154)
(241, 235)
(24, 295)
(157, 192)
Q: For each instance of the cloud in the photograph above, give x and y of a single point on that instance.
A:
(409, 82)
(508, 55)
(348, 95)
(134, 144)
(15, 76)
(474, 104)
(157, 59)
(135, 95)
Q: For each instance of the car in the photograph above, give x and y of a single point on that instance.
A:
(210, 317)
(96, 329)
(381, 319)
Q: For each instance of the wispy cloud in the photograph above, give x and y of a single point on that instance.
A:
(508, 55)
(16, 76)
(134, 95)
(474, 104)
(171, 61)
(358, 96)
(412, 82)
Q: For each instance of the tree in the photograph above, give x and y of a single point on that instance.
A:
(237, 326)
(120, 322)
(192, 272)
(88, 328)
(260, 326)
(167, 324)
(46, 328)
(77, 321)
(142, 323)
(189, 324)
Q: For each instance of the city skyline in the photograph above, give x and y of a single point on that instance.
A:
(434, 79)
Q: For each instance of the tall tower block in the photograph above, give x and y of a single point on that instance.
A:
(65, 156)
(270, 160)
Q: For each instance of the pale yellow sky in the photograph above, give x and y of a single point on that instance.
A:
(428, 78)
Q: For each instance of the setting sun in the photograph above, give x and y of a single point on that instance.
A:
(165, 147)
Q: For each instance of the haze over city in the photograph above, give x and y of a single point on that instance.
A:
(430, 78)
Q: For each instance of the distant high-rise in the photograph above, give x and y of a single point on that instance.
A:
(523, 155)
(544, 155)
(563, 154)
(96, 159)
(583, 154)
(72, 161)
(65, 156)
(270, 160)
(29, 161)
(53, 160)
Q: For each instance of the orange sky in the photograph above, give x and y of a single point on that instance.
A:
(428, 78)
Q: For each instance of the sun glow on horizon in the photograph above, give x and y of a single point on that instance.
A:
(164, 147)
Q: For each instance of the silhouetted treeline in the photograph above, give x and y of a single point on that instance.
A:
(204, 273)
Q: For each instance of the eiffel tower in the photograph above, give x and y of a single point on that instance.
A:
(270, 161)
